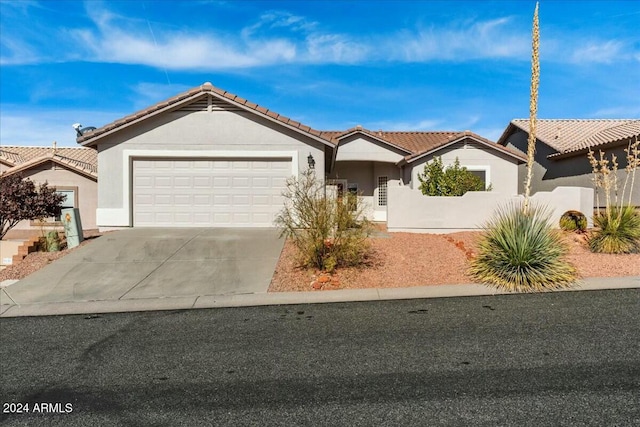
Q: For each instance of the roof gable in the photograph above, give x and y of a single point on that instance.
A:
(194, 100)
(471, 137)
(571, 136)
(81, 160)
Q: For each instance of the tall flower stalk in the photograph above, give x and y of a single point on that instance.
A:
(618, 227)
(533, 108)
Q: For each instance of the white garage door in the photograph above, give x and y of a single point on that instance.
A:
(197, 193)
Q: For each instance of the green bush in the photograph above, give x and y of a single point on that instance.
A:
(617, 231)
(452, 181)
(328, 232)
(522, 252)
(52, 241)
(573, 221)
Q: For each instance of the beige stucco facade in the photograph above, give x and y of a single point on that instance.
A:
(501, 170)
(61, 177)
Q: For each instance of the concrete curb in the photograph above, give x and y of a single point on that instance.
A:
(284, 298)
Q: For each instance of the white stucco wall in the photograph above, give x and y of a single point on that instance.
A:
(215, 134)
(502, 170)
(362, 148)
(411, 211)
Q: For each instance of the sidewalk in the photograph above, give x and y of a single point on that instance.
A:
(278, 298)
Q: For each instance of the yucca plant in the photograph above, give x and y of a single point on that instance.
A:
(617, 233)
(617, 229)
(520, 252)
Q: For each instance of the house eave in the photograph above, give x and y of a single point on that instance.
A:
(167, 106)
(520, 159)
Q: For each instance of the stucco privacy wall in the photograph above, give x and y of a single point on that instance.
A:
(201, 134)
(501, 169)
(572, 171)
(411, 211)
(59, 176)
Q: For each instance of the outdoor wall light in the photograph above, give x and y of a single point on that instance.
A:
(311, 162)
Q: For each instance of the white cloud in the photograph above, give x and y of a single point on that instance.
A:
(483, 39)
(279, 37)
(629, 111)
(599, 52)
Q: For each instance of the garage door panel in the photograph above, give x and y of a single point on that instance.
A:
(208, 192)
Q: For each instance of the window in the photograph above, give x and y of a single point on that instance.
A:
(382, 190)
(481, 172)
(70, 201)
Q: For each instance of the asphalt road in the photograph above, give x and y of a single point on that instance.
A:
(570, 358)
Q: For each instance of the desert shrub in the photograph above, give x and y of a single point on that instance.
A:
(618, 225)
(617, 233)
(521, 252)
(52, 241)
(573, 221)
(328, 232)
(450, 181)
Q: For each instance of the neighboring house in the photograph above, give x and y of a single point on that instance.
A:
(209, 158)
(72, 171)
(562, 146)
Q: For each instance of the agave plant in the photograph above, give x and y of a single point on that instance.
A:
(618, 231)
(521, 252)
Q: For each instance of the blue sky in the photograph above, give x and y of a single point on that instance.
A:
(412, 65)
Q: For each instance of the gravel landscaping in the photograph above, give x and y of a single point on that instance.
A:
(407, 259)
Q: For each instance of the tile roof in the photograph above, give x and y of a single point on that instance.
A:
(418, 143)
(413, 143)
(568, 136)
(83, 160)
(190, 95)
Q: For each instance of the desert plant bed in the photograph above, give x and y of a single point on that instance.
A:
(37, 260)
(408, 259)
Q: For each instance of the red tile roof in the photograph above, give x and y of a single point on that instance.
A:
(83, 160)
(417, 143)
(569, 136)
(413, 143)
(184, 98)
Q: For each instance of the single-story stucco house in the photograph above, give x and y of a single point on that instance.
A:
(562, 146)
(73, 171)
(207, 157)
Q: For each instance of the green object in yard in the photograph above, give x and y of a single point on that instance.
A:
(72, 226)
(53, 241)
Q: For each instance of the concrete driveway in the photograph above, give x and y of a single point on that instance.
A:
(158, 263)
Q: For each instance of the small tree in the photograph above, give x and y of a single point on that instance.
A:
(20, 200)
(453, 181)
(328, 232)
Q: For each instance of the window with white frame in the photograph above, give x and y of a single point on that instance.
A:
(382, 190)
(481, 172)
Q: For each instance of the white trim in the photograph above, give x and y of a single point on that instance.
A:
(121, 217)
(485, 168)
